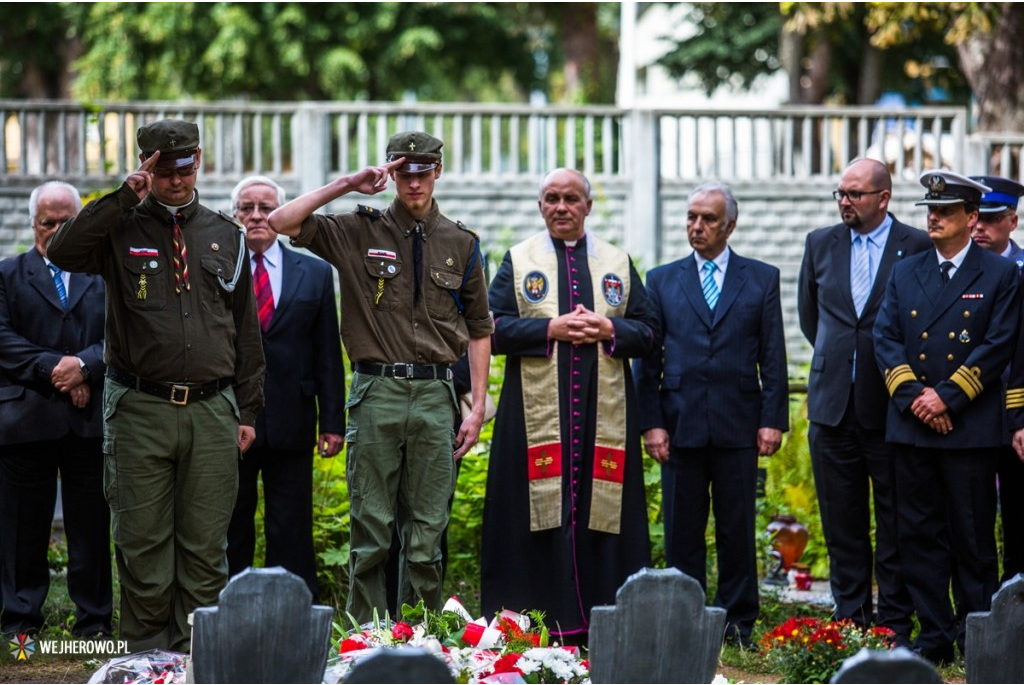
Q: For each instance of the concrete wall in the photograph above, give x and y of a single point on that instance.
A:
(774, 218)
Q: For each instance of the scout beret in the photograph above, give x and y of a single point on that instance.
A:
(947, 188)
(1004, 195)
(422, 151)
(176, 140)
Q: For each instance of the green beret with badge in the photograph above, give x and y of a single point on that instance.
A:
(422, 151)
(175, 139)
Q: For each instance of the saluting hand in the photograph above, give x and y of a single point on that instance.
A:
(141, 180)
(373, 179)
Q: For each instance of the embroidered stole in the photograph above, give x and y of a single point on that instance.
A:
(535, 270)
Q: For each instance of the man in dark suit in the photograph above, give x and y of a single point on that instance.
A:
(842, 281)
(304, 388)
(714, 397)
(943, 338)
(997, 219)
(51, 387)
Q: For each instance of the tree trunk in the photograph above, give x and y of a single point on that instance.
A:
(991, 61)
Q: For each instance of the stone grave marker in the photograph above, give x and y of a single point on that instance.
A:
(402, 665)
(995, 638)
(659, 631)
(264, 629)
(897, 665)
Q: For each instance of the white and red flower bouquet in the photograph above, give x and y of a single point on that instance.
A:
(511, 648)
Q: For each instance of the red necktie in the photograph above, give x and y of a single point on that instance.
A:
(264, 295)
(180, 261)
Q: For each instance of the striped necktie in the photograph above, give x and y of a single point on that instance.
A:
(709, 286)
(180, 257)
(264, 295)
(860, 274)
(58, 280)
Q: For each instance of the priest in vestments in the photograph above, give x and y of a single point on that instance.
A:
(565, 515)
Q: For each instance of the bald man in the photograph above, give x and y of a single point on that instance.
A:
(842, 284)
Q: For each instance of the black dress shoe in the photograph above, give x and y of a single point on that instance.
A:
(742, 641)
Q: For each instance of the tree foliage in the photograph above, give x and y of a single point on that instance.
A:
(734, 43)
(432, 51)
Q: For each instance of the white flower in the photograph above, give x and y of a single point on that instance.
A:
(720, 680)
(528, 665)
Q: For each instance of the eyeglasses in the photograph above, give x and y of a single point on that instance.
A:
(854, 195)
(250, 208)
(51, 223)
(183, 172)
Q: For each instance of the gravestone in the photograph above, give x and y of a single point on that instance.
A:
(897, 665)
(994, 638)
(264, 629)
(402, 665)
(659, 631)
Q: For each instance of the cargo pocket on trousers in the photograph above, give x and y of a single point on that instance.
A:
(112, 394)
(360, 385)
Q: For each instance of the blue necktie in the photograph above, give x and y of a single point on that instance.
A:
(709, 286)
(59, 282)
(860, 274)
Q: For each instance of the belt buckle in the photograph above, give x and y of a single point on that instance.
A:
(408, 372)
(175, 391)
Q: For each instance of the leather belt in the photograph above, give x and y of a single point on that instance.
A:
(410, 371)
(175, 393)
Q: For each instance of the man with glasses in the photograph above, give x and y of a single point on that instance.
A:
(413, 301)
(51, 383)
(304, 388)
(997, 219)
(841, 285)
(944, 336)
(184, 379)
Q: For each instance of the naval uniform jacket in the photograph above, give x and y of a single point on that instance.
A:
(202, 335)
(373, 252)
(956, 338)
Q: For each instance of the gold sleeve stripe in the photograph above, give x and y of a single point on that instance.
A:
(894, 378)
(1015, 398)
(967, 380)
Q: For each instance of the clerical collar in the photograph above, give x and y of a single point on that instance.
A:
(175, 210)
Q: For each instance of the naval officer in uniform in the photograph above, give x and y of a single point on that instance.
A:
(943, 338)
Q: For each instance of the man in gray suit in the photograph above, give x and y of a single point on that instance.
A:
(842, 283)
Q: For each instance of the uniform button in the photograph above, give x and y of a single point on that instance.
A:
(967, 314)
(949, 357)
(923, 379)
(188, 346)
(924, 336)
(922, 357)
(186, 315)
(415, 325)
(913, 313)
(952, 335)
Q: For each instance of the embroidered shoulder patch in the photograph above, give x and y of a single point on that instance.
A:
(535, 287)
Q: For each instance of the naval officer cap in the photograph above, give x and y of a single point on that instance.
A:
(1004, 194)
(422, 151)
(177, 141)
(947, 188)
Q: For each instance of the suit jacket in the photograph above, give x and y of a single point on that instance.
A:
(956, 338)
(35, 332)
(718, 377)
(830, 323)
(305, 378)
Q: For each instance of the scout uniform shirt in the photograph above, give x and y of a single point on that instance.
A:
(374, 254)
(204, 334)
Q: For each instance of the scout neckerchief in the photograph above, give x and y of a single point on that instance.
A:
(535, 270)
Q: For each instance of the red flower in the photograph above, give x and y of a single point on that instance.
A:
(401, 631)
(352, 644)
(507, 664)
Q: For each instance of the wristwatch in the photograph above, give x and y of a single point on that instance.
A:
(84, 368)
